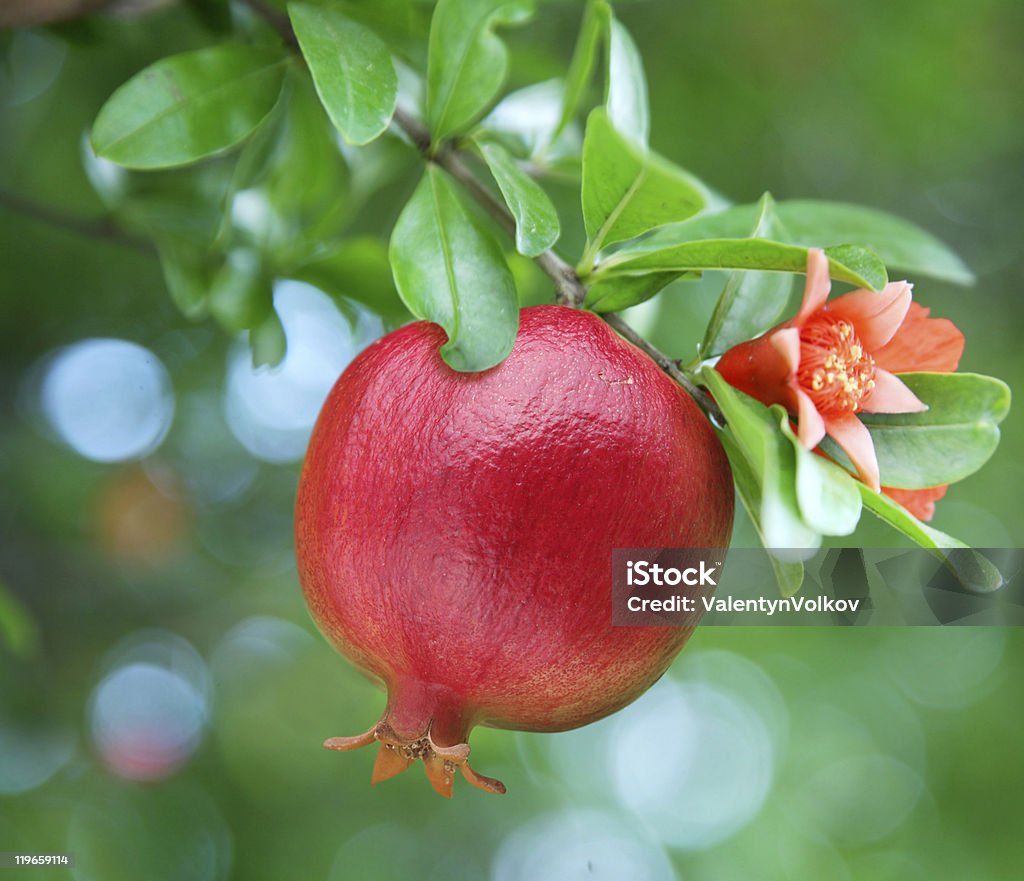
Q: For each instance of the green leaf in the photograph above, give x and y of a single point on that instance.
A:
(627, 103)
(855, 265)
(186, 273)
(623, 291)
(190, 106)
(789, 574)
(241, 296)
(537, 226)
(627, 191)
(976, 572)
(584, 57)
(771, 460)
(751, 301)
(812, 223)
(267, 341)
(352, 70)
(357, 269)
(449, 270)
(466, 61)
(952, 439)
(826, 494)
(898, 242)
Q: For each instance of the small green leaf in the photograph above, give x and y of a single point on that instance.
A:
(622, 291)
(186, 273)
(751, 301)
(352, 69)
(190, 106)
(827, 495)
(771, 460)
(855, 265)
(466, 61)
(584, 57)
(267, 341)
(811, 223)
(952, 439)
(789, 574)
(627, 103)
(627, 191)
(537, 226)
(449, 270)
(357, 269)
(976, 572)
(241, 295)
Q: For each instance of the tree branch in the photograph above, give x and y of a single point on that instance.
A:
(569, 290)
(100, 228)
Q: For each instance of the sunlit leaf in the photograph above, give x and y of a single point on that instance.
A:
(537, 226)
(190, 106)
(467, 61)
(626, 191)
(351, 67)
(448, 269)
(952, 439)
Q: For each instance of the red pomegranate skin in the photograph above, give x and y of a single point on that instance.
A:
(454, 530)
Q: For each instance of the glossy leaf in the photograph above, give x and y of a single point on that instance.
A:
(622, 291)
(976, 572)
(952, 439)
(537, 226)
(812, 223)
(751, 301)
(466, 60)
(627, 102)
(772, 464)
(626, 191)
(448, 269)
(190, 106)
(855, 265)
(352, 70)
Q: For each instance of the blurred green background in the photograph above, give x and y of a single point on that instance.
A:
(163, 694)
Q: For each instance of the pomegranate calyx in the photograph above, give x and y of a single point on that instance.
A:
(397, 753)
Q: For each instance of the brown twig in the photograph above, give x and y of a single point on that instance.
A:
(99, 228)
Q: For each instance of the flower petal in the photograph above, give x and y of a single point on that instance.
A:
(919, 502)
(764, 368)
(890, 395)
(933, 345)
(852, 435)
(875, 317)
(810, 424)
(817, 286)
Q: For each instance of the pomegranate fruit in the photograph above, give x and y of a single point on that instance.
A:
(454, 530)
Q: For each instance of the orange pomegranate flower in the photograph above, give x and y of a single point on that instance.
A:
(836, 359)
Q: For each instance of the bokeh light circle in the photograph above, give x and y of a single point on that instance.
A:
(108, 399)
(271, 411)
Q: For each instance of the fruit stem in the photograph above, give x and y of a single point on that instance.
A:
(421, 722)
